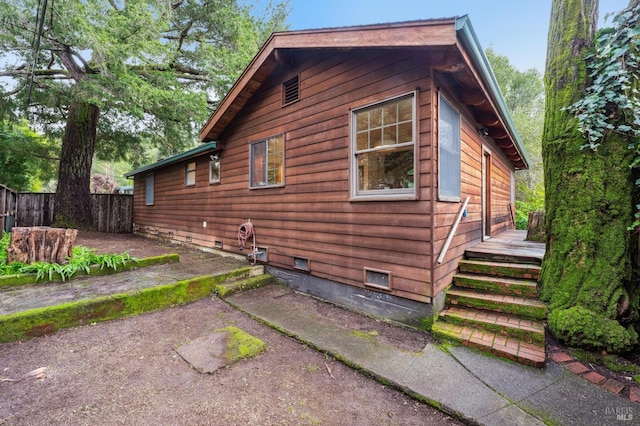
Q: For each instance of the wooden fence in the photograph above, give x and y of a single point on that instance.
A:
(8, 202)
(111, 212)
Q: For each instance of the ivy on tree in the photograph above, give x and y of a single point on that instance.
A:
(611, 102)
(586, 275)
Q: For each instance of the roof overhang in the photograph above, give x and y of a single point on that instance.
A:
(504, 132)
(199, 150)
(452, 39)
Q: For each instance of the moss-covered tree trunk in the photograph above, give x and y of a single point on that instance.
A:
(588, 199)
(73, 200)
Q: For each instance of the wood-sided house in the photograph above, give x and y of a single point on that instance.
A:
(351, 151)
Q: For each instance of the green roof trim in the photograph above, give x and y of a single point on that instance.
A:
(210, 146)
(467, 35)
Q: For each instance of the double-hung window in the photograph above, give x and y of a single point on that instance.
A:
(383, 146)
(267, 162)
(448, 151)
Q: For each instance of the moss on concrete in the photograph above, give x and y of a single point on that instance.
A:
(498, 285)
(366, 334)
(228, 288)
(38, 322)
(241, 345)
(524, 335)
(537, 311)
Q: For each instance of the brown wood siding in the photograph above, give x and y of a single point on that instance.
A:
(469, 231)
(311, 215)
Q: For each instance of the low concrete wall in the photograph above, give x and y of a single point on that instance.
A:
(379, 305)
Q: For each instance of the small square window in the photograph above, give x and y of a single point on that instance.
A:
(190, 173)
(214, 169)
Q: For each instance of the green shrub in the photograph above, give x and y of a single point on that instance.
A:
(523, 209)
(581, 327)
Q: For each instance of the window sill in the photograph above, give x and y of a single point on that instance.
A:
(449, 199)
(384, 197)
(267, 186)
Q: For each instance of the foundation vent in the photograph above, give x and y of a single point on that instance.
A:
(377, 278)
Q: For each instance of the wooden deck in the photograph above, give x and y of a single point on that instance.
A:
(508, 246)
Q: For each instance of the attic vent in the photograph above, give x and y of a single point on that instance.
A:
(290, 90)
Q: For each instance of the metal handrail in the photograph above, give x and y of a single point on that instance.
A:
(452, 232)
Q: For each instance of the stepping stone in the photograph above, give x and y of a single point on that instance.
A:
(209, 353)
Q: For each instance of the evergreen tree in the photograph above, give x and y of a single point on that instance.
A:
(112, 77)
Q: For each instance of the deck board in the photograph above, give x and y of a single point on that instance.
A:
(509, 246)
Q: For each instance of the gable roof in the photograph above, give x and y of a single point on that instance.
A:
(458, 52)
(175, 159)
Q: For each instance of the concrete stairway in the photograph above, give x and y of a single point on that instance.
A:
(492, 306)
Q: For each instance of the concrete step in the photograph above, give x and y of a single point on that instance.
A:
(530, 331)
(47, 316)
(524, 307)
(503, 346)
(497, 285)
(500, 269)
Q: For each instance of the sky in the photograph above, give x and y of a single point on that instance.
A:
(516, 29)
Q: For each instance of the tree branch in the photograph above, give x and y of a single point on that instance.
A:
(20, 71)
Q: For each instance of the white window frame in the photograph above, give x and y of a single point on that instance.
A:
(149, 189)
(265, 183)
(190, 173)
(447, 192)
(214, 178)
(386, 194)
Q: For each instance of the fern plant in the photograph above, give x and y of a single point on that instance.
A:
(81, 260)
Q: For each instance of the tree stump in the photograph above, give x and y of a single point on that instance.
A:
(41, 244)
(535, 227)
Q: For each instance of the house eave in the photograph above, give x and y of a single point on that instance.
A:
(199, 150)
(425, 33)
(471, 44)
(448, 33)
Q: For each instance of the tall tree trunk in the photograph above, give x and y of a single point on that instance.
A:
(73, 200)
(587, 199)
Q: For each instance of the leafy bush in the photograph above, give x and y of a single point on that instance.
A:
(81, 260)
(579, 326)
(523, 209)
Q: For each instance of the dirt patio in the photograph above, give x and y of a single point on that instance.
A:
(128, 372)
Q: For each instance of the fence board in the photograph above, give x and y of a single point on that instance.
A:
(8, 200)
(111, 212)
